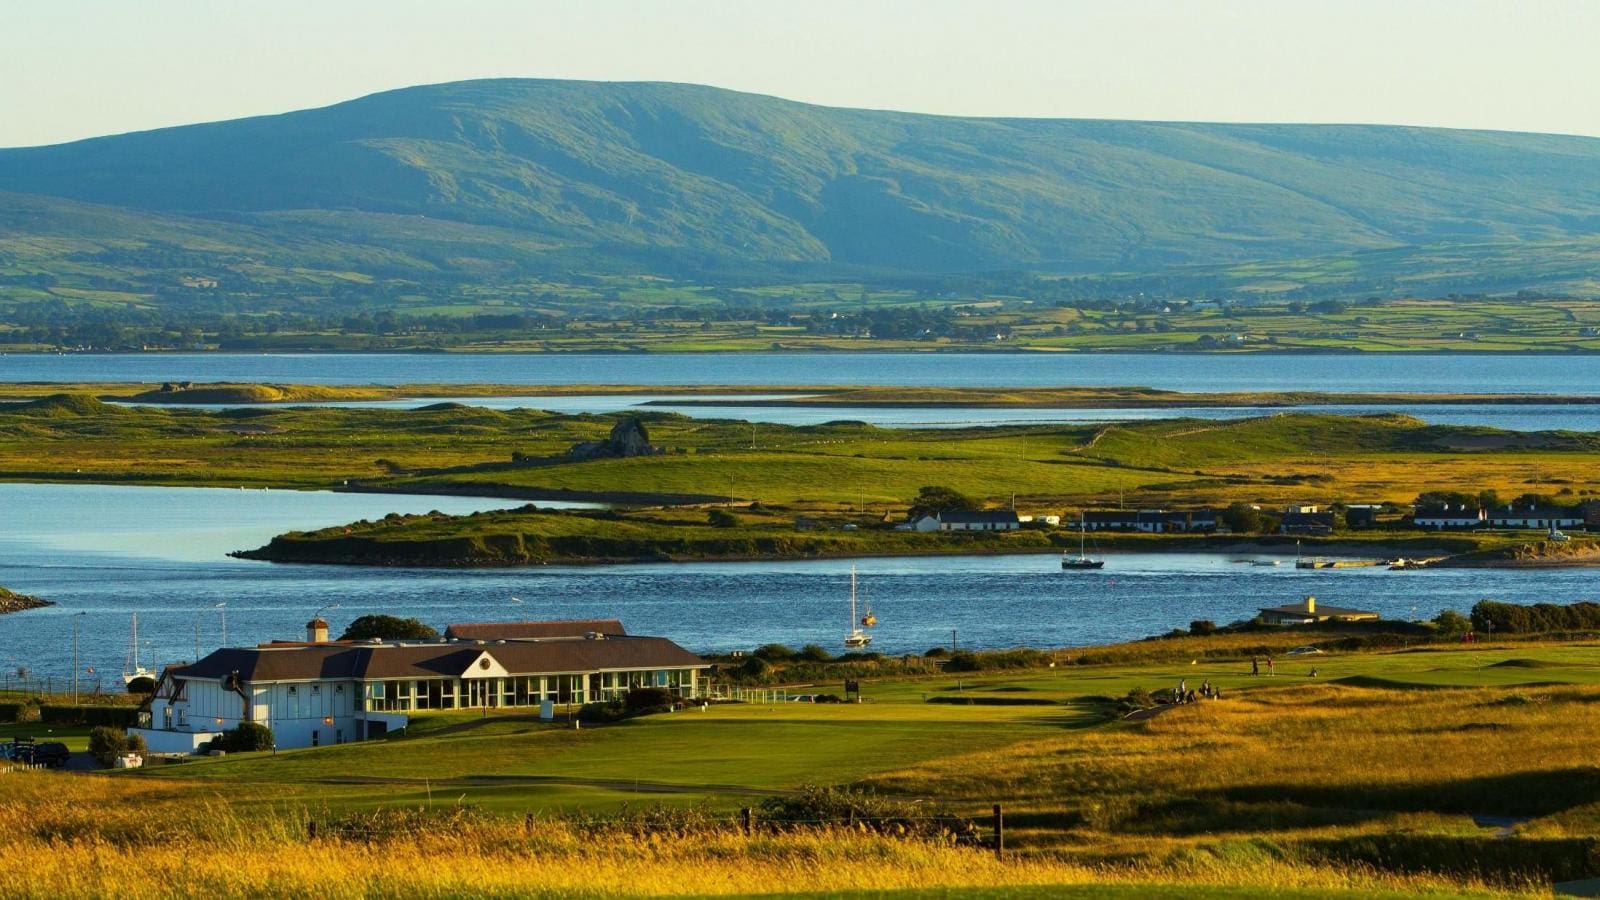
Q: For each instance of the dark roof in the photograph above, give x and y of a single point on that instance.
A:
(979, 516)
(1548, 512)
(367, 661)
(1323, 609)
(511, 631)
(1305, 518)
(1112, 515)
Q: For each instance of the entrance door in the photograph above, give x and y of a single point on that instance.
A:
(478, 692)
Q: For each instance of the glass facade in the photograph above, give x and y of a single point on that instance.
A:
(404, 695)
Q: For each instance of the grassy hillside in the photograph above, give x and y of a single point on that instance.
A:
(430, 188)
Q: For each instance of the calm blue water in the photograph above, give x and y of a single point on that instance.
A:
(110, 551)
(1431, 373)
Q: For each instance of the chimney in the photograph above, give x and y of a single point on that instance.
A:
(317, 630)
(1311, 604)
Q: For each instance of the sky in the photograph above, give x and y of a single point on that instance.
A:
(78, 68)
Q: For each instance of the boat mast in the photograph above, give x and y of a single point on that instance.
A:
(853, 625)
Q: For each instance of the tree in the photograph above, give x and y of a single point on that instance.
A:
(721, 518)
(933, 500)
(388, 628)
(249, 737)
(1242, 518)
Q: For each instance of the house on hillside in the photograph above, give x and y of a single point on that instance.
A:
(1447, 516)
(1297, 521)
(920, 523)
(317, 692)
(979, 520)
(1309, 611)
(1536, 517)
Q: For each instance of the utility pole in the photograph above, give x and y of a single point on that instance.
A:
(730, 490)
(76, 619)
(952, 642)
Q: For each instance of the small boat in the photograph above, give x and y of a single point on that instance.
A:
(131, 670)
(1266, 562)
(1082, 560)
(857, 638)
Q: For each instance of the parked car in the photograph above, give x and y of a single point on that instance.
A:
(1303, 651)
(52, 754)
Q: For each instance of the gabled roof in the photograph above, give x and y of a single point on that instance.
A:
(979, 516)
(369, 661)
(515, 631)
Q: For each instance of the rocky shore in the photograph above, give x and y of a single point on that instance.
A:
(10, 602)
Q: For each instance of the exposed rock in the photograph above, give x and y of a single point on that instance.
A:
(628, 438)
(10, 603)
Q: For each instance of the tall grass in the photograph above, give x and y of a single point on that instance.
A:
(100, 837)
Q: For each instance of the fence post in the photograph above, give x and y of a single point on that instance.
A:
(749, 825)
(311, 829)
(999, 833)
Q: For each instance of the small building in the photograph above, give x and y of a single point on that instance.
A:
(1362, 515)
(317, 692)
(1110, 520)
(1309, 611)
(1459, 516)
(920, 523)
(979, 520)
(1536, 517)
(1051, 520)
(1296, 521)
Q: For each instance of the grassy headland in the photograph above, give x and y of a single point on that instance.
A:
(11, 602)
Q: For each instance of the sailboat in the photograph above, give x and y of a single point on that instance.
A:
(1082, 560)
(858, 638)
(131, 669)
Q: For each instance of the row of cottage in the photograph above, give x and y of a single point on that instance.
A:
(1463, 516)
(1298, 519)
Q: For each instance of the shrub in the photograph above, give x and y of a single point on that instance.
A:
(18, 711)
(117, 716)
(774, 652)
(143, 684)
(936, 652)
(814, 653)
(962, 661)
(813, 806)
(753, 667)
(106, 744)
(642, 699)
(1450, 622)
(388, 628)
(721, 518)
(249, 737)
(1202, 626)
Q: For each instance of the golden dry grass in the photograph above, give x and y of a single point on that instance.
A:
(65, 836)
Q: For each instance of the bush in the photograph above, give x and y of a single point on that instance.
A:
(388, 628)
(144, 684)
(774, 652)
(1450, 622)
(1510, 618)
(814, 653)
(1202, 626)
(721, 518)
(117, 716)
(18, 711)
(642, 699)
(106, 744)
(813, 806)
(962, 661)
(753, 667)
(249, 737)
(936, 652)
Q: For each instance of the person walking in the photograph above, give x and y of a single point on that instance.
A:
(1270, 670)
(1255, 666)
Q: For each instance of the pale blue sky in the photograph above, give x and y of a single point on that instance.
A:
(77, 68)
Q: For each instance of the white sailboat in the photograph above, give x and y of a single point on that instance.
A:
(858, 637)
(1082, 560)
(131, 669)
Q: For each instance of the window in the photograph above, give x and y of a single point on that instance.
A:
(316, 738)
(293, 690)
(316, 690)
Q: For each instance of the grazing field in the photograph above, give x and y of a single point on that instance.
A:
(837, 467)
(1442, 769)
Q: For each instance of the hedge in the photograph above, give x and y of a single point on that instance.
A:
(120, 716)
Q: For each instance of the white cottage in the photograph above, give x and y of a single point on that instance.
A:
(330, 692)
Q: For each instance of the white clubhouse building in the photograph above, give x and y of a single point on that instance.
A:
(317, 691)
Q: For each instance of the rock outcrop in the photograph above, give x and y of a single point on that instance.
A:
(10, 603)
(628, 438)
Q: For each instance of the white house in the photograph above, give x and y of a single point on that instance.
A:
(979, 520)
(920, 523)
(1447, 516)
(320, 692)
(1536, 517)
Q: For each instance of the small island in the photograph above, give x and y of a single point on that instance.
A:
(11, 602)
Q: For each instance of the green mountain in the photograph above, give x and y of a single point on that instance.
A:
(510, 179)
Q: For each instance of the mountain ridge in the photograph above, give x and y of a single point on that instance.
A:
(505, 177)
